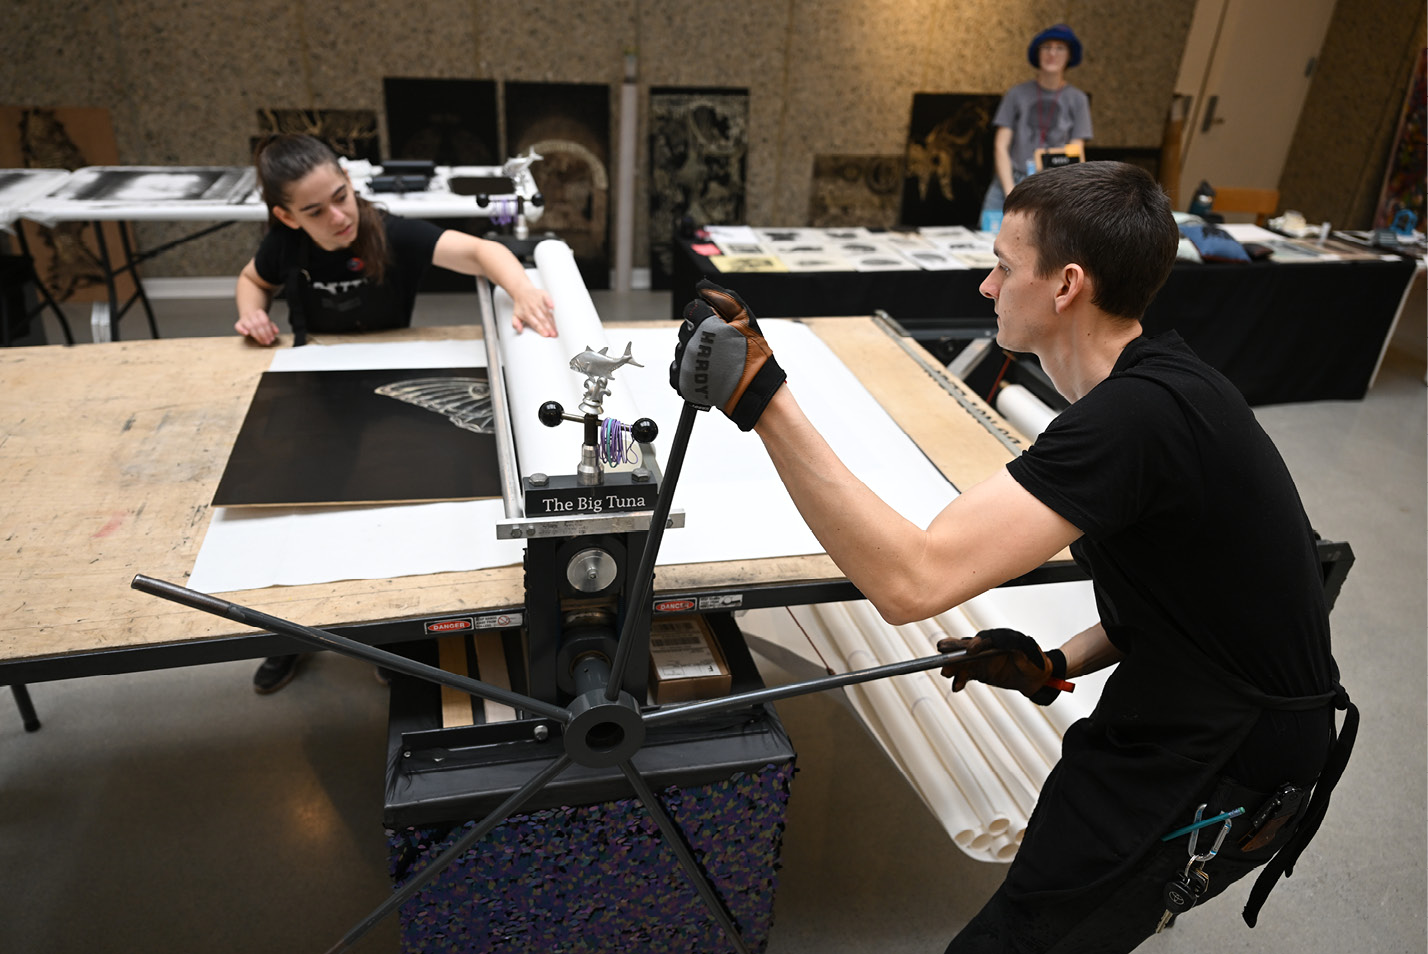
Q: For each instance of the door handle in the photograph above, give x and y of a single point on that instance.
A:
(1210, 119)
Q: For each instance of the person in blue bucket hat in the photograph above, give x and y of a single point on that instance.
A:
(1043, 113)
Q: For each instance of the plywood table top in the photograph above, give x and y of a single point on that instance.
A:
(111, 453)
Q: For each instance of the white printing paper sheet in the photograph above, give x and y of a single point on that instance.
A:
(735, 506)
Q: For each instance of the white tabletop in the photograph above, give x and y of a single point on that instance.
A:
(20, 187)
(229, 193)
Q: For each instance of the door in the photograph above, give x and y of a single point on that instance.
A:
(1247, 66)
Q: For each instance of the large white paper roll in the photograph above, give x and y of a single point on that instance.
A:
(1009, 787)
(538, 369)
(1024, 410)
(1003, 764)
(942, 797)
(1005, 847)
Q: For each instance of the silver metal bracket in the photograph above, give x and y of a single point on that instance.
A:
(632, 521)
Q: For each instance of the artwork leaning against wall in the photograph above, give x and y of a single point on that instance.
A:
(699, 144)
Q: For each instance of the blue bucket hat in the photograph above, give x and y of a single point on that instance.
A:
(1060, 32)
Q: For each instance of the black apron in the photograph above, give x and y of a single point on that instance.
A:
(365, 306)
(1133, 770)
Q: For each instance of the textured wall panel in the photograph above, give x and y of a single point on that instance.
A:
(183, 81)
(1340, 149)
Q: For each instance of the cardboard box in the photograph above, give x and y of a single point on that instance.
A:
(685, 661)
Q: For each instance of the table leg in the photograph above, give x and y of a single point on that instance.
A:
(109, 286)
(41, 289)
(27, 708)
(101, 326)
(130, 263)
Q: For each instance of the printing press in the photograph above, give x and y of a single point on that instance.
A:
(584, 699)
(675, 780)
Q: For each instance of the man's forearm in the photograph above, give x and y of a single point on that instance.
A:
(989, 534)
(855, 527)
(1089, 651)
(1001, 158)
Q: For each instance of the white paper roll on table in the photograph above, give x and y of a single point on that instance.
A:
(538, 369)
(1024, 410)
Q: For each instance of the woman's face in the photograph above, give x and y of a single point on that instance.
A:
(324, 205)
(1053, 55)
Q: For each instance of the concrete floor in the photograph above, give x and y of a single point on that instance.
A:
(177, 811)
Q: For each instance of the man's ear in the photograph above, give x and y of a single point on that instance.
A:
(285, 217)
(1074, 286)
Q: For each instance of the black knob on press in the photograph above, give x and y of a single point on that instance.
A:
(644, 430)
(551, 413)
(483, 200)
(538, 200)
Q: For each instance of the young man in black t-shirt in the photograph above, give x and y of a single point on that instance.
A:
(1173, 499)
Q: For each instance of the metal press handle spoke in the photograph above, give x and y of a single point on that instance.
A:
(644, 579)
(740, 700)
(322, 639)
(458, 848)
(692, 869)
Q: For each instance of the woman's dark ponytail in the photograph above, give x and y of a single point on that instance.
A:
(285, 158)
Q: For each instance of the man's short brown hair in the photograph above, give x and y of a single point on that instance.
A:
(1110, 218)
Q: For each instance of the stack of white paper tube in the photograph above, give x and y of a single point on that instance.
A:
(538, 369)
(977, 758)
(1024, 410)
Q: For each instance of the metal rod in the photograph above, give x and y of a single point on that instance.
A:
(692, 870)
(952, 387)
(457, 849)
(322, 639)
(501, 418)
(138, 258)
(644, 577)
(689, 710)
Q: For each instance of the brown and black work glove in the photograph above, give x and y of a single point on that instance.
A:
(1007, 659)
(722, 359)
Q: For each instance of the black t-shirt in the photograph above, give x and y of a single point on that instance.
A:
(336, 277)
(1192, 524)
(1207, 578)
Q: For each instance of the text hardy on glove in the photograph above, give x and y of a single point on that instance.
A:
(722, 359)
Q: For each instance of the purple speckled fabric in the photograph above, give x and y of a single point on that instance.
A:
(599, 878)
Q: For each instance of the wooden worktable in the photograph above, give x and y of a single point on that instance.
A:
(111, 452)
